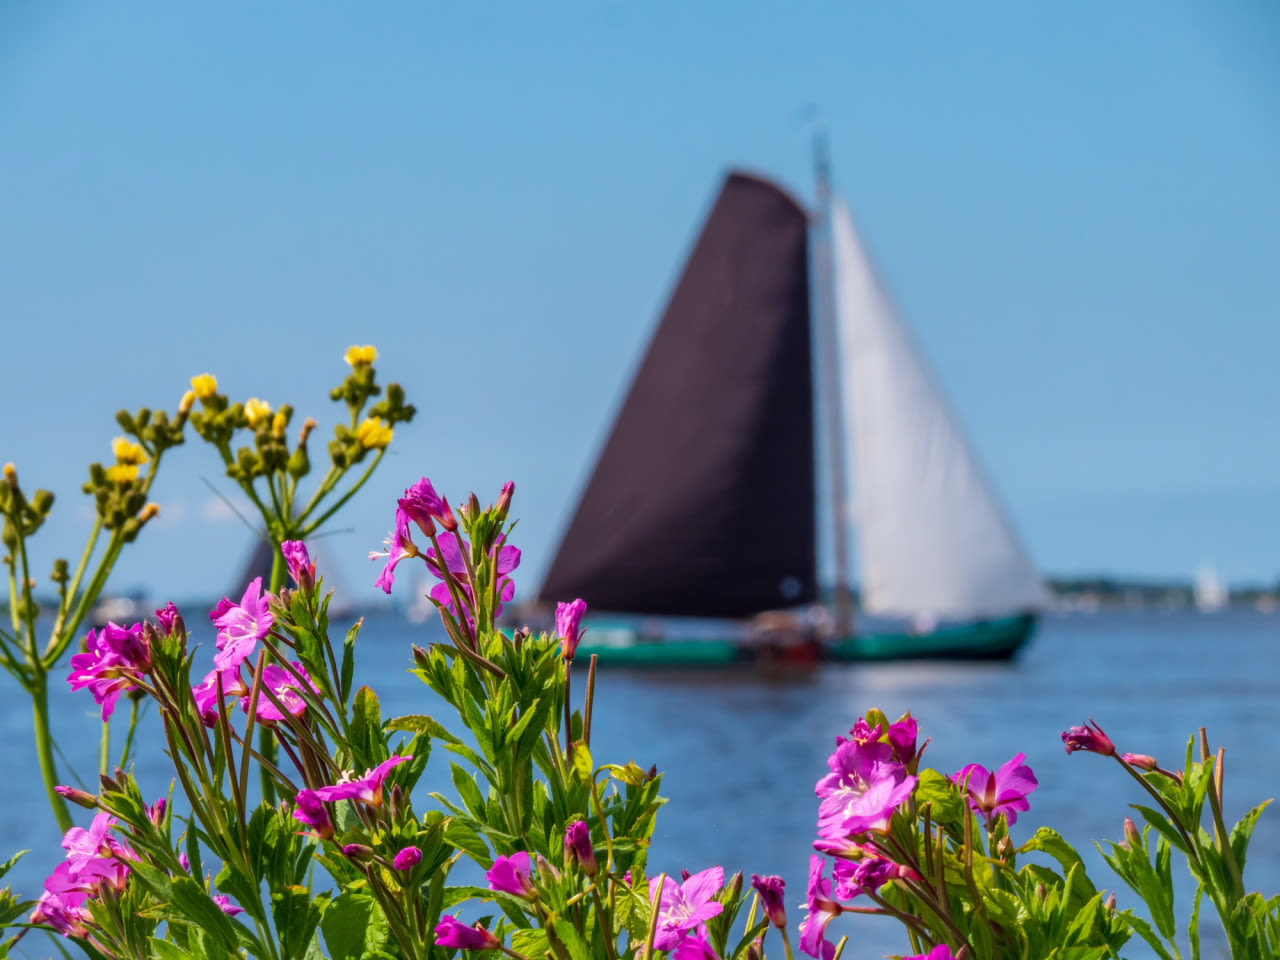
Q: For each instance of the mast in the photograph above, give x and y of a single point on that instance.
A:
(829, 380)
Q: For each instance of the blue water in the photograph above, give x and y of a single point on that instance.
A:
(741, 750)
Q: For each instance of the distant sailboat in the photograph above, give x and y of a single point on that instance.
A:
(703, 500)
(1211, 594)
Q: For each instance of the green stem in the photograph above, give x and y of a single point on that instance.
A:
(44, 749)
(341, 501)
(104, 748)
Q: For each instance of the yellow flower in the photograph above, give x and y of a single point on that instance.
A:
(256, 411)
(360, 356)
(123, 473)
(278, 423)
(205, 385)
(128, 453)
(373, 434)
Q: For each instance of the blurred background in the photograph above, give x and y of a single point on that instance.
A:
(1077, 209)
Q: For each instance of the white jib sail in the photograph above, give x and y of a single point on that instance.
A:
(932, 537)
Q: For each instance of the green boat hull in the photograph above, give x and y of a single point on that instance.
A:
(982, 640)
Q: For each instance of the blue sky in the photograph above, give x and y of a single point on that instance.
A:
(1077, 207)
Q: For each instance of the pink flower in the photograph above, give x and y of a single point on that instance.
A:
(873, 808)
(940, 952)
(508, 559)
(423, 505)
(682, 907)
(95, 860)
(286, 687)
(225, 905)
(822, 910)
(311, 810)
(452, 932)
(511, 875)
(578, 848)
(1005, 791)
(407, 858)
(867, 875)
(1088, 737)
(206, 693)
(114, 659)
(856, 766)
(772, 890)
(170, 619)
(696, 947)
(368, 789)
(400, 546)
(568, 620)
(241, 625)
(296, 558)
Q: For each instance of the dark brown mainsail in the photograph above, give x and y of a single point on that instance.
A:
(702, 502)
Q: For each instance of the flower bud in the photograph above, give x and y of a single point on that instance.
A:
(407, 858)
(149, 512)
(1139, 760)
(1110, 904)
(756, 950)
(1090, 738)
(358, 852)
(772, 890)
(155, 812)
(11, 474)
(578, 848)
(568, 623)
(186, 403)
(78, 797)
(1131, 833)
(504, 500)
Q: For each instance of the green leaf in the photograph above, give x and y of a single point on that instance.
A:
(581, 759)
(1240, 833)
(194, 902)
(296, 915)
(943, 797)
(8, 864)
(348, 658)
(164, 950)
(367, 745)
(468, 790)
(1193, 925)
(1162, 824)
(354, 927)
(531, 943)
(1143, 929)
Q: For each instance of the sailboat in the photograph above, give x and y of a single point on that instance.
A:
(703, 502)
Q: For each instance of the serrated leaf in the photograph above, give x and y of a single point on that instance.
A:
(581, 760)
(194, 902)
(354, 927)
(1240, 833)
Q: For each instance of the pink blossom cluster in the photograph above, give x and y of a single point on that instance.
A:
(95, 860)
(115, 659)
(446, 558)
(872, 776)
(241, 626)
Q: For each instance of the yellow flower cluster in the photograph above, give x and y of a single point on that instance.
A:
(255, 411)
(205, 385)
(123, 473)
(360, 356)
(373, 434)
(128, 453)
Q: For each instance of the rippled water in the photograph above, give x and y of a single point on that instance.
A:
(741, 750)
